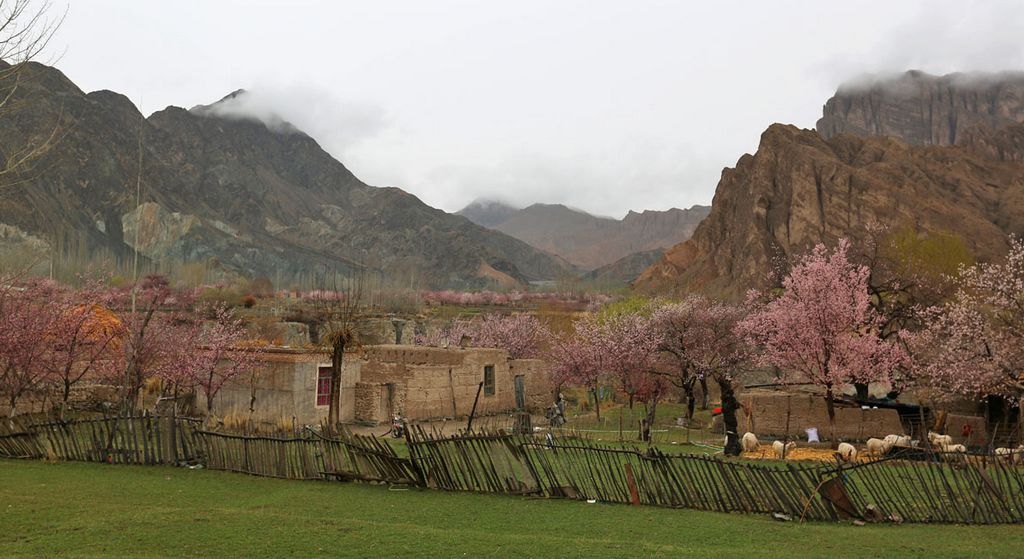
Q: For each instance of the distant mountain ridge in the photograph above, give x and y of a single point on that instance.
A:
(233, 194)
(586, 240)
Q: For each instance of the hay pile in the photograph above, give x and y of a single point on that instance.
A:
(765, 452)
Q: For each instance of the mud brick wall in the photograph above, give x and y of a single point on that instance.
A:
(767, 417)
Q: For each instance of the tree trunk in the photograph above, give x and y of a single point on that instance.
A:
(597, 404)
(830, 405)
(862, 390)
(337, 357)
(691, 400)
(704, 393)
(652, 409)
(729, 407)
(1020, 421)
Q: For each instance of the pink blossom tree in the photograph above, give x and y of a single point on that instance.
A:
(522, 335)
(578, 358)
(630, 345)
(974, 344)
(219, 351)
(85, 336)
(26, 323)
(823, 328)
(701, 336)
(151, 334)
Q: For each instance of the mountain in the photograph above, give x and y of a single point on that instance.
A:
(586, 240)
(233, 194)
(487, 213)
(922, 109)
(623, 271)
(802, 187)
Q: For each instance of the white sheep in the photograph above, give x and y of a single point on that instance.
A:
(879, 446)
(939, 440)
(847, 452)
(954, 448)
(904, 440)
(779, 448)
(749, 442)
(1007, 453)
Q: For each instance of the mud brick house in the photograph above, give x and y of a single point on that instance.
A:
(419, 383)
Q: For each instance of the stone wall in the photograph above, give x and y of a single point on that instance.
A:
(767, 417)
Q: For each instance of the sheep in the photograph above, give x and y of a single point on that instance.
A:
(891, 438)
(904, 440)
(954, 448)
(879, 446)
(939, 440)
(749, 442)
(847, 452)
(781, 449)
(1007, 453)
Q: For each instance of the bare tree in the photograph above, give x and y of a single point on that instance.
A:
(336, 311)
(26, 29)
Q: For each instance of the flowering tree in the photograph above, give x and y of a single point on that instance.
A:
(219, 351)
(152, 337)
(822, 328)
(577, 358)
(700, 336)
(522, 335)
(84, 336)
(674, 323)
(26, 320)
(630, 345)
(974, 344)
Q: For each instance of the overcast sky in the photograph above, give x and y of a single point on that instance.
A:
(604, 106)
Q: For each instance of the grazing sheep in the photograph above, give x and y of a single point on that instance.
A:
(1007, 453)
(778, 447)
(879, 446)
(954, 448)
(847, 452)
(904, 440)
(891, 438)
(749, 442)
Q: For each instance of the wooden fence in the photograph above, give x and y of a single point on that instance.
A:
(932, 488)
(949, 488)
(144, 439)
(281, 457)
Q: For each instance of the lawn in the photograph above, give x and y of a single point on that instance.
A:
(93, 510)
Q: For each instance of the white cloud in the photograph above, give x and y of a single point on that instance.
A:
(338, 125)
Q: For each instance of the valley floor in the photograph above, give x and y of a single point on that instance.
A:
(95, 510)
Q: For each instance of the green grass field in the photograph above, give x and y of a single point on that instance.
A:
(94, 510)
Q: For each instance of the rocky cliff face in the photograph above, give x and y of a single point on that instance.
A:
(800, 188)
(233, 193)
(589, 241)
(922, 109)
(932, 153)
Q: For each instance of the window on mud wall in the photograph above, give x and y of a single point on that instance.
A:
(488, 380)
(323, 385)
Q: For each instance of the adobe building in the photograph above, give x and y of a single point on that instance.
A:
(417, 382)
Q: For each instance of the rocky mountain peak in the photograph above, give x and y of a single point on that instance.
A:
(923, 109)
